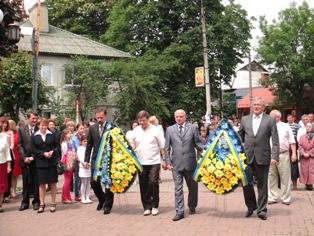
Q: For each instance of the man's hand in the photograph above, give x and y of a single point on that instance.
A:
(273, 162)
(163, 164)
(28, 160)
(293, 157)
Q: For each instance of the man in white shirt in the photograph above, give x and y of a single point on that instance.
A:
(282, 169)
(148, 143)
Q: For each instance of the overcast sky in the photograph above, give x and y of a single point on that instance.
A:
(257, 8)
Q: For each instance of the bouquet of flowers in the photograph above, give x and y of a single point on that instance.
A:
(116, 163)
(222, 163)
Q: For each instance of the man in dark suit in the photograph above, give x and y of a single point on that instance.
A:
(181, 140)
(93, 141)
(256, 130)
(27, 163)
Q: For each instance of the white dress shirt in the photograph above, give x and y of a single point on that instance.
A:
(285, 136)
(148, 143)
(256, 121)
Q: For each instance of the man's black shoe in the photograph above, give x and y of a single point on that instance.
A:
(106, 211)
(36, 206)
(100, 206)
(262, 216)
(192, 211)
(249, 213)
(23, 207)
(177, 217)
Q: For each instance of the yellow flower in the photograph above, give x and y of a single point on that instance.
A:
(227, 167)
(229, 174)
(211, 186)
(218, 173)
(217, 182)
(233, 180)
(227, 186)
(208, 162)
(211, 169)
(220, 190)
(219, 165)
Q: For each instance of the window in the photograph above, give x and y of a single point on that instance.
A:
(46, 70)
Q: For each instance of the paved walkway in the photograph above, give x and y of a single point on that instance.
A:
(216, 215)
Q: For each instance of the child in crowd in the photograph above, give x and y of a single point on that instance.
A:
(68, 158)
(84, 171)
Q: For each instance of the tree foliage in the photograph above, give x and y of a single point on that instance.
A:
(16, 85)
(166, 36)
(87, 18)
(288, 45)
(89, 83)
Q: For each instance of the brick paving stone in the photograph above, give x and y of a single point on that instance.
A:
(215, 215)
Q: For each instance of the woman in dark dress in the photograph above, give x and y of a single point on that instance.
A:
(46, 152)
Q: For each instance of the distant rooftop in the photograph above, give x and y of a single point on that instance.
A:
(61, 42)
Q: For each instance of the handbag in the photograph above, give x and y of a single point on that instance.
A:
(60, 168)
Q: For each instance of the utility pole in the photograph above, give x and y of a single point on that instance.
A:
(250, 82)
(35, 52)
(205, 55)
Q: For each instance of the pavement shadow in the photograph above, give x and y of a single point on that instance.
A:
(132, 209)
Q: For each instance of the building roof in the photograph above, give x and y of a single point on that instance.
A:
(61, 42)
(265, 93)
(241, 79)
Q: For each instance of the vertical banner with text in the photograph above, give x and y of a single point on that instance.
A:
(199, 77)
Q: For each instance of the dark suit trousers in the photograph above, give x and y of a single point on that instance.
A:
(30, 184)
(103, 197)
(149, 186)
(192, 187)
(261, 173)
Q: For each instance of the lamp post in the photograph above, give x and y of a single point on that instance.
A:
(205, 56)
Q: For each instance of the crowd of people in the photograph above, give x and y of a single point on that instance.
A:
(278, 154)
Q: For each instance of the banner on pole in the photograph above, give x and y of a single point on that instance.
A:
(199, 77)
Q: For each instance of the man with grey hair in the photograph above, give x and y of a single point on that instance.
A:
(282, 170)
(181, 140)
(256, 129)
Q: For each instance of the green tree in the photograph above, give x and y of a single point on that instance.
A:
(87, 18)
(171, 32)
(89, 79)
(288, 45)
(16, 85)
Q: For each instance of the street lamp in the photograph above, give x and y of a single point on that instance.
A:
(14, 33)
(1, 15)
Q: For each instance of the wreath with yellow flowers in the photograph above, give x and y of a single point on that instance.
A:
(222, 163)
(116, 162)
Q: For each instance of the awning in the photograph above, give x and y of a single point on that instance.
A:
(265, 93)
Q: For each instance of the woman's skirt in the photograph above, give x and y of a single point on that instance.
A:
(3, 178)
(47, 175)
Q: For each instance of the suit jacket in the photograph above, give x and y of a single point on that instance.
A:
(181, 148)
(258, 146)
(93, 141)
(24, 144)
(39, 146)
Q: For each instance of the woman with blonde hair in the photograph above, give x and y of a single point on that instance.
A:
(16, 172)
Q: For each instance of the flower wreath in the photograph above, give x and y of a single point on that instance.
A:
(222, 163)
(116, 162)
